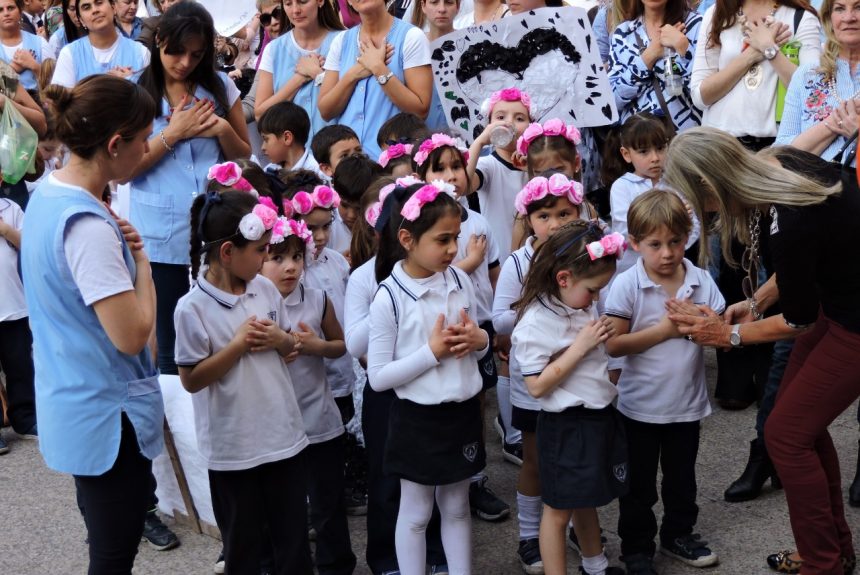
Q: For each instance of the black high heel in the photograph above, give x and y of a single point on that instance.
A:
(758, 470)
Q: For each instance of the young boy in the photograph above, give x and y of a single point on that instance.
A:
(351, 178)
(402, 128)
(284, 129)
(332, 144)
(661, 392)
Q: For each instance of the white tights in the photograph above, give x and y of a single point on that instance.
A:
(416, 506)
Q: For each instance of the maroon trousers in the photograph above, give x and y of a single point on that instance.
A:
(822, 380)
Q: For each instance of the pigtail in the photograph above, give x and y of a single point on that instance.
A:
(390, 251)
(196, 240)
(613, 166)
(364, 242)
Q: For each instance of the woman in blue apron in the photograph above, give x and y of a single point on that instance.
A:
(199, 123)
(21, 50)
(91, 299)
(291, 68)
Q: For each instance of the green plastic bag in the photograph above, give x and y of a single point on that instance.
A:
(18, 143)
(792, 52)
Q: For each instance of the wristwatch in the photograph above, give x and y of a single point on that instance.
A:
(384, 78)
(735, 337)
(770, 53)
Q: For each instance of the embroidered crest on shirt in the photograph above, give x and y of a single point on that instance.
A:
(619, 470)
(273, 315)
(774, 222)
(470, 451)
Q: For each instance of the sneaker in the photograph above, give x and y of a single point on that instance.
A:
(219, 563)
(530, 559)
(611, 570)
(573, 542)
(485, 504)
(32, 433)
(355, 501)
(513, 452)
(4, 447)
(499, 427)
(439, 569)
(158, 534)
(690, 549)
(639, 564)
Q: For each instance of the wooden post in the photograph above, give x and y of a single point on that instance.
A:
(190, 510)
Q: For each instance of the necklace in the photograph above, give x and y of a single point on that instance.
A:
(750, 262)
(755, 75)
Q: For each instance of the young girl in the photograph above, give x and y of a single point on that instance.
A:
(640, 148)
(546, 204)
(424, 344)
(436, 18)
(232, 335)
(397, 160)
(102, 51)
(558, 345)
(495, 177)
(319, 336)
(441, 159)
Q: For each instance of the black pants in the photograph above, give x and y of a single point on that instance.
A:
(116, 504)
(246, 502)
(675, 447)
(171, 283)
(383, 490)
(16, 360)
(334, 554)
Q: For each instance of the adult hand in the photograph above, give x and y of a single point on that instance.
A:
(25, 60)
(123, 72)
(672, 36)
(783, 33)
(706, 328)
(310, 66)
(761, 36)
(844, 118)
(190, 121)
(373, 57)
(216, 127)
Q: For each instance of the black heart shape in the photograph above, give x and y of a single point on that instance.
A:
(607, 111)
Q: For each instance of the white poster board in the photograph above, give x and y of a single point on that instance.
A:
(550, 53)
(230, 16)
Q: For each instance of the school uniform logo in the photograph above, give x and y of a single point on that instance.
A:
(470, 451)
(619, 470)
(273, 315)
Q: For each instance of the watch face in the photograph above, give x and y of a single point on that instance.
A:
(735, 339)
(770, 53)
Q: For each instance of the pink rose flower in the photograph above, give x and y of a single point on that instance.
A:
(572, 134)
(595, 250)
(529, 134)
(553, 127)
(576, 193)
(288, 208)
(371, 214)
(268, 203)
(325, 197)
(266, 214)
(558, 185)
(226, 174)
(383, 193)
(614, 243)
(279, 231)
(303, 203)
(244, 185)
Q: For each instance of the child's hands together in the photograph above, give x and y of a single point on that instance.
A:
(311, 343)
(264, 334)
(465, 337)
(596, 332)
(437, 339)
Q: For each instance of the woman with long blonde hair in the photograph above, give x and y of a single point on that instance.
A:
(801, 226)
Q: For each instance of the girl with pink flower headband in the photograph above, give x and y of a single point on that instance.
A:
(424, 344)
(319, 337)
(397, 160)
(558, 343)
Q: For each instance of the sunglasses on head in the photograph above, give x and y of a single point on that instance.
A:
(266, 19)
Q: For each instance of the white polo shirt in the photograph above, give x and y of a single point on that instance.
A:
(476, 224)
(329, 272)
(666, 383)
(250, 416)
(547, 327)
(402, 317)
(509, 288)
(319, 411)
(12, 304)
(356, 309)
(500, 184)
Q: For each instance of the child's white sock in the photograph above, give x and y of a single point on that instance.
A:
(595, 565)
(503, 390)
(528, 514)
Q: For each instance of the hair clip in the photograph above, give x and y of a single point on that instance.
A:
(592, 228)
(506, 95)
(425, 195)
(322, 197)
(540, 187)
(230, 174)
(553, 127)
(394, 151)
(371, 214)
(286, 227)
(611, 244)
(262, 218)
(437, 141)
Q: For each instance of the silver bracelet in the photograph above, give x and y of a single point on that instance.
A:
(757, 315)
(167, 146)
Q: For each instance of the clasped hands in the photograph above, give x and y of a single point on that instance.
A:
(457, 340)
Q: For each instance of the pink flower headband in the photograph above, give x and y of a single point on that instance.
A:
(437, 141)
(230, 174)
(395, 151)
(371, 214)
(322, 197)
(286, 227)
(506, 95)
(611, 244)
(262, 218)
(554, 127)
(538, 188)
(426, 194)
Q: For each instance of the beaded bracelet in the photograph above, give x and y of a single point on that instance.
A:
(167, 146)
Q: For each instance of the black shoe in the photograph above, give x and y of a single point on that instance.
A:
(355, 500)
(529, 555)
(639, 564)
(32, 433)
(513, 452)
(759, 468)
(854, 490)
(573, 542)
(611, 570)
(485, 504)
(4, 447)
(158, 534)
(690, 549)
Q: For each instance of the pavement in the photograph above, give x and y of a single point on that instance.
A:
(41, 532)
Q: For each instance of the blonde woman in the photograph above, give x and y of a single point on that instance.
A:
(821, 109)
(800, 225)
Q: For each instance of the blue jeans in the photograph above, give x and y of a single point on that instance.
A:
(171, 283)
(779, 359)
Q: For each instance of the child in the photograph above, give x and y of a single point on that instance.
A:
(16, 340)
(397, 160)
(441, 159)
(662, 396)
(557, 343)
(641, 149)
(402, 128)
(332, 144)
(351, 178)
(546, 208)
(424, 344)
(494, 177)
(232, 333)
(319, 335)
(284, 129)
(436, 18)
